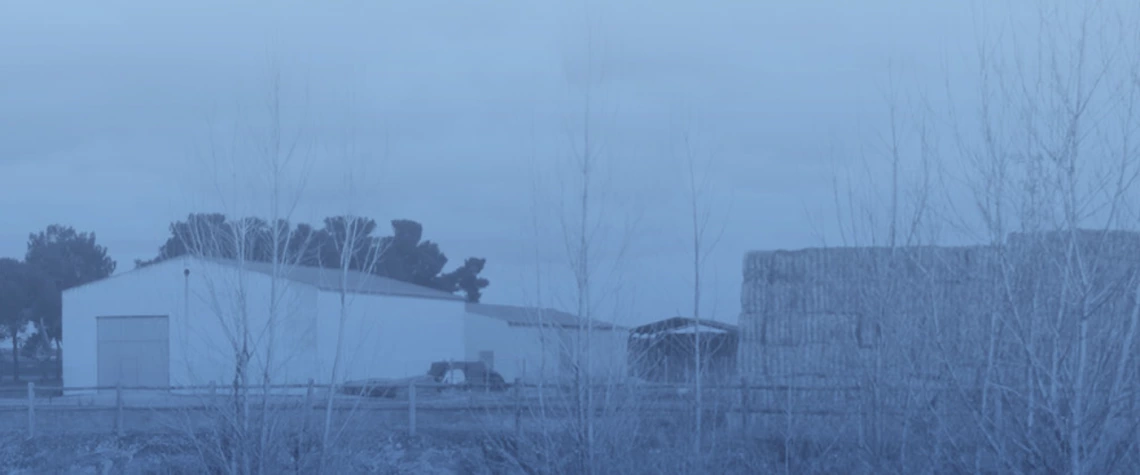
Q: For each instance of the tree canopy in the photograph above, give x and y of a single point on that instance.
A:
(66, 258)
(71, 258)
(403, 256)
(24, 292)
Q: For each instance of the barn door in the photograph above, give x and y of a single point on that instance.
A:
(133, 351)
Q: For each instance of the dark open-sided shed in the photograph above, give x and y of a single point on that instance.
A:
(663, 351)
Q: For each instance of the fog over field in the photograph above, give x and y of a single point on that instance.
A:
(570, 237)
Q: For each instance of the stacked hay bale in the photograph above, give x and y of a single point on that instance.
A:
(848, 332)
(874, 340)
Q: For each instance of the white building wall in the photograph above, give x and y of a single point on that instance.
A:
(533, 353)
(153, 293)
(222, 298)
(541, 349)
(200, 349)
(483, 333)
(608, 353)
(610, 358)
(526, 352)
(388, 336)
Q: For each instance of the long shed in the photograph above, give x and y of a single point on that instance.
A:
(533, 344)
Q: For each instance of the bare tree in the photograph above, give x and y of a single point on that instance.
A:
(697, 172)
(883, 226)
(595, 243)
(266, 162)
(579, 221)
(358, 254)
(1036, 366)
(1053, 161)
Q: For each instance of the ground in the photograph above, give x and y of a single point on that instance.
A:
(148, 453)
(460, 452)
(457, 433)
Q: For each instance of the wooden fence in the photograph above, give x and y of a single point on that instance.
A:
(736, 405)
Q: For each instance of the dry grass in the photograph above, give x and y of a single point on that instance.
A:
(472, 433)
(433, 451)
(149, 453)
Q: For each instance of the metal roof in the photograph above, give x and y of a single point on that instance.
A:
(531, 316)
(330, 279)
(672, 325)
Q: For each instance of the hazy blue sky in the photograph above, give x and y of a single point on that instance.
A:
(106, 109)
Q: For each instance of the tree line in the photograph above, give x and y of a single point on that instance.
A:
(59, 258)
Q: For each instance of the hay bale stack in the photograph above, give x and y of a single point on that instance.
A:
(915, 322)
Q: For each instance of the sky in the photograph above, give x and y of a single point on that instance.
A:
(119, 117)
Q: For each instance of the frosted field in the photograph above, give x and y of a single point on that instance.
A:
(456, 433)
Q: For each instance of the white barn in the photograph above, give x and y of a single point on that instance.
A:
(174, 323)
(534, 344)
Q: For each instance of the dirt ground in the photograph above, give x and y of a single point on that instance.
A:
(167, 454)
(78, 435)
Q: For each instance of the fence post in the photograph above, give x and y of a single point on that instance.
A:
(119, 409)
(518, 408)
(308, 409)
(31, 409)
(412, 408)
(213, 390)
(744, 403)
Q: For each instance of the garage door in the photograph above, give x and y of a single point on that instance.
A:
(133, 351)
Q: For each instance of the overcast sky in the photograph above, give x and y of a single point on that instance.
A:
(107, 108)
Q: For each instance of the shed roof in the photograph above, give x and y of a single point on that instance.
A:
(532, 316)
(357, 282)
(683, 324)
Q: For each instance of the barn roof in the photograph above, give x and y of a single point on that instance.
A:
(531, 316)
(683, 325)
(358, 282)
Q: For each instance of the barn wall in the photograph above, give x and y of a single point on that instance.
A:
(483, 333)
(221, 298)
(542, 349)
(609, 353)
(612, 353)
(388, 336)
(533, 353)
(150, 291)
(200, 350)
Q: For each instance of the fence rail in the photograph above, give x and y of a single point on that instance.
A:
(746, 386)
(513, 403)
